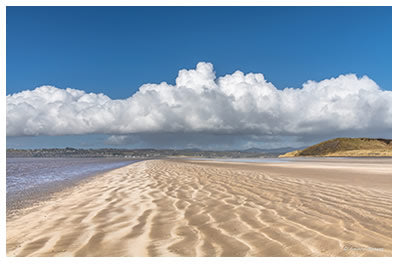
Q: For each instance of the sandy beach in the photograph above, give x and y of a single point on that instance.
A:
(336, 207)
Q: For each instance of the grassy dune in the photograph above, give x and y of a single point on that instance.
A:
(349, 147)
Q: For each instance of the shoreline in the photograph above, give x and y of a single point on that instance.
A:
(30, 198)
(180, 208)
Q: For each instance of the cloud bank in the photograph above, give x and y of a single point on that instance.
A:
(199, 102)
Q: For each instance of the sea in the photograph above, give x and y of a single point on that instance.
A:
(31, 179)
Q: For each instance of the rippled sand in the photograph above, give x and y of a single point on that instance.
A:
(183, 208)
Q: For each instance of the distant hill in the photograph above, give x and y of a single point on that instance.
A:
(347, 147)
(132, 153)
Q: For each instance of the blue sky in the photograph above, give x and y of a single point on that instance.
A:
(114, 50)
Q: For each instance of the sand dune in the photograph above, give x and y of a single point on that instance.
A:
(177, 208)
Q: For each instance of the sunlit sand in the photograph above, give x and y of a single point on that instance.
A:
(203, 208)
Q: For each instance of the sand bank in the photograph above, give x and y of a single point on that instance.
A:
(183, 208)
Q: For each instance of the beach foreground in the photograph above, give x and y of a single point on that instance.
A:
(202, 208)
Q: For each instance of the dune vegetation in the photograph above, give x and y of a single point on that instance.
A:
(348, 147)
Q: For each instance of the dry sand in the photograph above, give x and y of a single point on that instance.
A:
(188, 208)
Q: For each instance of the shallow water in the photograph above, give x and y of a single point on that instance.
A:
(294, 159)
(246, 160)
(30, 178)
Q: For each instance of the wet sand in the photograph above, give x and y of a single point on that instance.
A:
(202, 208)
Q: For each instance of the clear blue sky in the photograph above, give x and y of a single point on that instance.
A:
(114, 50)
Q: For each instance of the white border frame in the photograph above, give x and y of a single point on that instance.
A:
(198, 261)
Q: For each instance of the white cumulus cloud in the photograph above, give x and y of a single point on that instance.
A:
(199, 102)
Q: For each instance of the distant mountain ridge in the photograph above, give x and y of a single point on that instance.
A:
(147, 152)
(347, 147)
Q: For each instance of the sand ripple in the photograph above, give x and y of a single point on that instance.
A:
(173, 208)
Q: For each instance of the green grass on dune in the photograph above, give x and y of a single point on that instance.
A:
(347, 147)
(346, 144)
